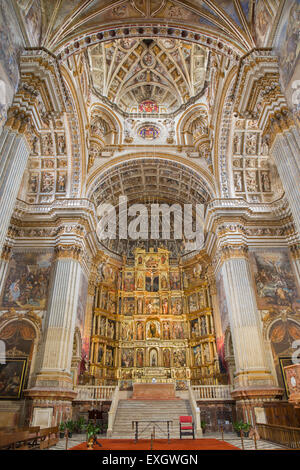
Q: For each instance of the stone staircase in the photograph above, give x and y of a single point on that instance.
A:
(129, 410)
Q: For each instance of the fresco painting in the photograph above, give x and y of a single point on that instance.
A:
(263, 23)
(10, 35)
(27, 281)
(287, 47)
(274, 279)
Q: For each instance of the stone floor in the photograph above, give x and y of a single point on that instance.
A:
(231, 438)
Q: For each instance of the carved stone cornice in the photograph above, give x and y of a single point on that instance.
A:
(258, 94)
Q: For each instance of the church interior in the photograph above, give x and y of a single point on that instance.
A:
(163, 103)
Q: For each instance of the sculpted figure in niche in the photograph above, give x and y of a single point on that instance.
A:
(140, 331)
(197, 356)
(140, 306)
(251, 181)
(238, 185)
(166, 358)
(206, 353)
(237, 140)
(47, 183)
(251, 143)
(153, 358)
(33, 183)
(179, 358)
(140, 358)
(110, 330)
(35, 146)
(47, 144)
(61, 144)
(265, 181)
(103, 326)
(140, 282)
(194, 329)
(165, 306)
(61, 183)
(166, 330)
(153, 330)
(100, 354)
(164, 281)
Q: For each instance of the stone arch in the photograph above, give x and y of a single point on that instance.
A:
(205, 177)
(21, 335)
(280, 335)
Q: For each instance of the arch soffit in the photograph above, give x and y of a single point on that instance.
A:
(203, 174)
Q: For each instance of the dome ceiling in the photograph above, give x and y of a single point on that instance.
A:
(130, 71)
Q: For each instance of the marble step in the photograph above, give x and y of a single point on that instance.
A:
(129, 411)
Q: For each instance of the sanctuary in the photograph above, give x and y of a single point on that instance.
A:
(192, 107)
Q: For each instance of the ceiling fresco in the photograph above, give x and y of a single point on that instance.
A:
(63, 20)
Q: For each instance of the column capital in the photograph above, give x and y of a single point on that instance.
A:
(74, 252)
(18, 121)
(227, 252)
(295, 251)
(277, 124)
(6, 253)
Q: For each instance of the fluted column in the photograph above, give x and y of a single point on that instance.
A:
(286, 153)
(61, 317)
(14, 152)
(252, 370)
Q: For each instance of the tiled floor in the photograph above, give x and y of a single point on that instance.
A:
(231, 438)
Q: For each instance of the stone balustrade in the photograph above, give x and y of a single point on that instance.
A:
(212, 392)
(94, 392)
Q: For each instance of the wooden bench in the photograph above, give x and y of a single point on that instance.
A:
(16, 441)
(29, 437)
(48, 437)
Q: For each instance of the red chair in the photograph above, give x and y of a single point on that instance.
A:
(186, 426)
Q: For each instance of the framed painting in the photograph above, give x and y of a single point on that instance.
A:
(12, 376)
(283, 362)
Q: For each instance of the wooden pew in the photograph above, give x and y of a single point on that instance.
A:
(48, 437)
(15, 441)
(29, 437)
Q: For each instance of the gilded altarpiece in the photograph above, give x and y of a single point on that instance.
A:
(153, 319)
